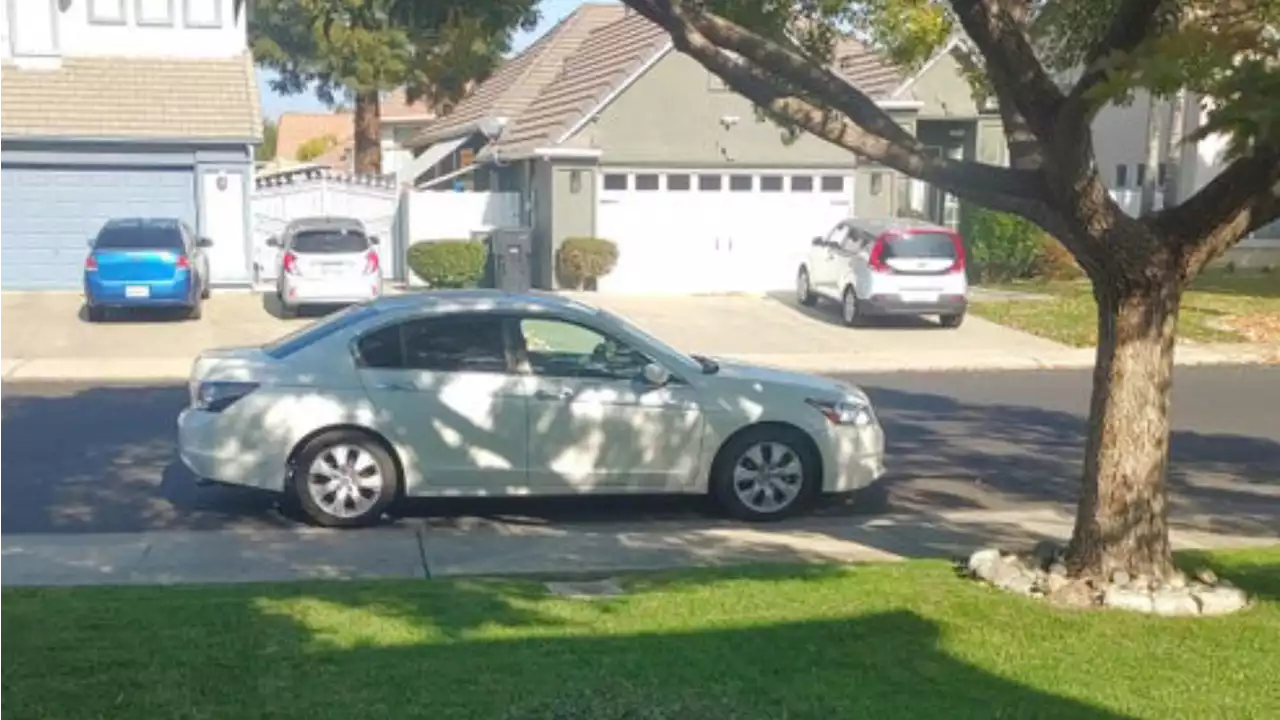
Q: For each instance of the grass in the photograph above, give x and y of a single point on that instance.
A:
(889, 641)
(1219, 307)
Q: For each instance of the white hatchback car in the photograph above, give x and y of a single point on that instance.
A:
(889, 266)
(484, 393)
(326, 261)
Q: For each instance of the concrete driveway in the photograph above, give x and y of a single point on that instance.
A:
(49, 330)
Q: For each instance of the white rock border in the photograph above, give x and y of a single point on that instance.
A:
(1042, 574)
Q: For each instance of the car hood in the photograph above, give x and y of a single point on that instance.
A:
(786, 380)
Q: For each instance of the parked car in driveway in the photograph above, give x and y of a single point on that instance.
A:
(146, 263)
(484, 393)
(884, 267)
(326, 261)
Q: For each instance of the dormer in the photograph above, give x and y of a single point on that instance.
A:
(43, 30)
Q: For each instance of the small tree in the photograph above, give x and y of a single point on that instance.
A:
(314, 148)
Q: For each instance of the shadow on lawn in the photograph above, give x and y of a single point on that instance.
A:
(1243, 284)
(1260, 579)
(470, 653)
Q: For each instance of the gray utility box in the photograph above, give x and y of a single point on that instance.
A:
(510, 254)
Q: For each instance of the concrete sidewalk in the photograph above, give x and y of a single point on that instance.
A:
(427, 549)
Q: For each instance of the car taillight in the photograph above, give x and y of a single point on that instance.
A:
(291, 263)
(183, 262)
(876, 260)
(958, 265)
(91, 264)
(371, 263)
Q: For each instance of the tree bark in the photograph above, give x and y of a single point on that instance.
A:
(368, 133)
(1122, 517)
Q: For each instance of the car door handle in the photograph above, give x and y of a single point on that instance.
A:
(553, 394)
(395, 387)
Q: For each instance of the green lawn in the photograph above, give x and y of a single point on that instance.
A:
(886, 641)
(1219, 307)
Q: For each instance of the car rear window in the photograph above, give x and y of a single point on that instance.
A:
(931, 245)
(330, 242)
(139, 236)
(307, 336)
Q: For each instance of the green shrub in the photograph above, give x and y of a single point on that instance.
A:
(1055, 262)
(1001, 247)
(582, 261)
(449, 263)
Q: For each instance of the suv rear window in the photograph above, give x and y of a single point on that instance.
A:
(329, 242)
(931, 245)
(140, 235)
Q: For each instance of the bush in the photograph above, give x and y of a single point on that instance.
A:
(1054, 262)
(449, 263)
(1001, 247)
(582, 261)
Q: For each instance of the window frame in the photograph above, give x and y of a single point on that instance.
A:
(524, 367)
(400, 322)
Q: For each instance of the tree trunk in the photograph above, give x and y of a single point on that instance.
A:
(1151, 177)
(368, 134)
(1121, 521)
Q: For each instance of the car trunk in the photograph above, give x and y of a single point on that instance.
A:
(920, 253)
(330, 253)
(136, 265)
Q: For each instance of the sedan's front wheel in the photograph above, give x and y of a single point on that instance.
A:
(766, 473)
(344, 479)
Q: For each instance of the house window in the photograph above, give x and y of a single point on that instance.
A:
(466, 156)
(1142, 174)
(678, 182)
(771, 183)
(741, 183)
(1122, 176)
(202, 13)
(801, 183)
(877, 183)
(153, 12)
(106, 12)
(615, 181)
(1164, 174)
(575, 181)
(480, 180)
(832, 183)
(709, 182)
(646, 181)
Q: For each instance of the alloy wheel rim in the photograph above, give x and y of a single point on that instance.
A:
(850, 306)
(802, 285)
(345, 481)
(768, 477)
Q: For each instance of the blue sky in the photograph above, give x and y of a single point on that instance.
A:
(272, 104)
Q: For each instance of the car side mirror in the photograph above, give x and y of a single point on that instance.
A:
(818, 242)
(204, 242)
(273, 241)
(656, 375)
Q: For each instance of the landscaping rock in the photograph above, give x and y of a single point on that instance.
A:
(1126, 598)
(982, 564)
(1174, 602)
(1073, 593)
(1120, 578)
(1177, 581)
(1207, 576)
(1222, 600)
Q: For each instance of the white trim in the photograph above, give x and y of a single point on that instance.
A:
(900, 104)
(613, 94)
(446, 177)
(553, 153)
(431, 157)
(946, 50)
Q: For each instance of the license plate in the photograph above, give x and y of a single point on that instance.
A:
(332, 269)
(919, 296)
(137, 291)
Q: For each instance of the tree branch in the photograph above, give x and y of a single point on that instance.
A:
(1132, 24)
(1025, 150)
(858, 125)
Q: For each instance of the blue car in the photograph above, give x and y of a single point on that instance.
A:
(146, 263)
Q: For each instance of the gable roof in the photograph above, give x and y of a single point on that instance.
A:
(395, 108)
(520, 80)
(110, 98)
(295, 129)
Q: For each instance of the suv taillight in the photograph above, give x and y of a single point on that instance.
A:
(91, 264)
(876, 260)
(291, 263)
(371, 263)
(183, 262)
(958, 265)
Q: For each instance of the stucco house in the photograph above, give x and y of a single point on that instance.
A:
(605, 130)
(400, 121)
(123, 107)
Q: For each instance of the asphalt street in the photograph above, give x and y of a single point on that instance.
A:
(81, 458)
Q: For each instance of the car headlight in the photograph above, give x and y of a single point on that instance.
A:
(217, 396)
(845, 412)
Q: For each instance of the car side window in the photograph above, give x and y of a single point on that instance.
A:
(850, 242)
(837, 234)
(556, 348)
(448, 344)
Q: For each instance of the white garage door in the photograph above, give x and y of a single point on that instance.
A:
(715, 231)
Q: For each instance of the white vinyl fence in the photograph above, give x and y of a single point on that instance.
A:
(442, 215)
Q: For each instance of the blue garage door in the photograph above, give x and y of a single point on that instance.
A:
(51, 213)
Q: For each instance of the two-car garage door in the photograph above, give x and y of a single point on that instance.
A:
(50, 213)
(715, 230)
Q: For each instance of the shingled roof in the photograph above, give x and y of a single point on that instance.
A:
(133, 98)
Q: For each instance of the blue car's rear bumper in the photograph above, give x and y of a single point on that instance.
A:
(176, 292)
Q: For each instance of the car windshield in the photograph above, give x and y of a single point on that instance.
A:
(690, 362)
(309, 335)
(140, 235)
(326, 242)
(926, 245)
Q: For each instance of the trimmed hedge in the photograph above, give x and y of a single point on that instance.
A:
(449, 263)
(582, 261)
(1001, 247)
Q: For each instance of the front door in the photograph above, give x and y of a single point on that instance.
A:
(441, 387)
(595, 425)
(826, 261)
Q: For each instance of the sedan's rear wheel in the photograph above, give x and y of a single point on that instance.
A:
(344, 479)
(766, 473)
(804, 291)
(851, 308)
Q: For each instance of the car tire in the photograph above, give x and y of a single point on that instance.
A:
(951, 321)
(196, 311)
(286, 311)
(205, 291)
(743, 493)
(851, 308)
(366, 484)
(96, 314)
(804, 291)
